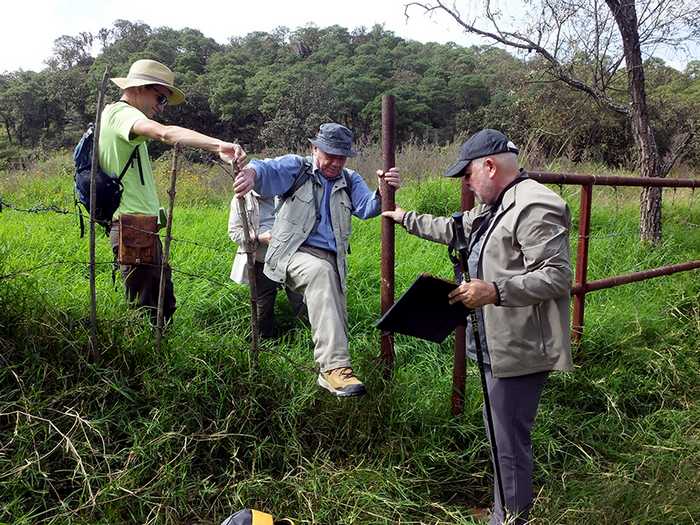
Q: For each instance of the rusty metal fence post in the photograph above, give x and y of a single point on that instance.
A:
(580, 279)
(250, 249)
(581, 285)
(388, 204)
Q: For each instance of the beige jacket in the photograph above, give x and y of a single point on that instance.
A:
(239, 271)
(295, 220)
(525, 253)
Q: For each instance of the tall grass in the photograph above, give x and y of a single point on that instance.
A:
(192, 434)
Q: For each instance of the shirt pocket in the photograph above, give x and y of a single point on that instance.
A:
(277, 244)
(298, 206)
(345, 219)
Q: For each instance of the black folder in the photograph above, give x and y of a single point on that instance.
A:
(424, 311)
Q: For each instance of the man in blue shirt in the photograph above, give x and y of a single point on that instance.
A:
(310, 239)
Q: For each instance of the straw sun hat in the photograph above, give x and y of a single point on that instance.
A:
(145, 72)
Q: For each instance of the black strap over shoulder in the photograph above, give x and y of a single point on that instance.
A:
(305, 173)
(135, 155)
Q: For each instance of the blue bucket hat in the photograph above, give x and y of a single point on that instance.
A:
(482, 144)
(334, 139)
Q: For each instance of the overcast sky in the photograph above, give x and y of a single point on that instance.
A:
(29, 28)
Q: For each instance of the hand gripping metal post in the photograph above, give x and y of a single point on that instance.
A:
(461, 246)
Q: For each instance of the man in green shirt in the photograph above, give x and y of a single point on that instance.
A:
(126, 127)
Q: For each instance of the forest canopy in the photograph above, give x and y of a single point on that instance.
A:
(272, 90)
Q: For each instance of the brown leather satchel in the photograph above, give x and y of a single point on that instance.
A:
(137, 239)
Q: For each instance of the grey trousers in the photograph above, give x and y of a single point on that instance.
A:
(142, 282)
(514, 402)
(313, 273)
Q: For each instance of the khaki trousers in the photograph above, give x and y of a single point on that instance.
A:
(312, 272)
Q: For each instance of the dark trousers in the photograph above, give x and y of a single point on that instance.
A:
(142, 282)
(267, 293)
(514, 402)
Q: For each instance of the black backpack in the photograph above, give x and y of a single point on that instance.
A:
(108, 189)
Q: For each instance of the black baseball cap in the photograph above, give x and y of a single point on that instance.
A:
(482, 144)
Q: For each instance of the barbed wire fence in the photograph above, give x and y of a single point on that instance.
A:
(81, 215)
(41, 208)
(51, 208)
(227, 285)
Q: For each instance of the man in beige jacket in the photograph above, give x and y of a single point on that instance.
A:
(311, 239)
(520, 285)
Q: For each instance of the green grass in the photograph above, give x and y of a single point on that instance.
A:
(192, 434)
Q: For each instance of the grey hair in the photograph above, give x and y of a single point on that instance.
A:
(507, 160)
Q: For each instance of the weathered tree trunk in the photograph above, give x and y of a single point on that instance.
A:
(650, 206)
(8, 132)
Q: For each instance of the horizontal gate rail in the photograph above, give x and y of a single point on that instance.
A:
(619, 280)
(607, 180)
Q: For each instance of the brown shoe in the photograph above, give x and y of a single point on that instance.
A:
(341, 382)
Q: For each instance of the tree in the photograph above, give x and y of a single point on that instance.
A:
(305, 102)
(69, 51)
(584, 44)
(30, 111)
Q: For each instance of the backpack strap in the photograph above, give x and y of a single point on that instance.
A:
(348, 184)
(305, 173)
(81, 221)
(135, 155)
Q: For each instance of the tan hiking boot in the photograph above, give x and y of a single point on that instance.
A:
(341, 382)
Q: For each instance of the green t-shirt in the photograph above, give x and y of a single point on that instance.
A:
(116, 146)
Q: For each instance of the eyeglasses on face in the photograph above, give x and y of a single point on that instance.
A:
(161, 99)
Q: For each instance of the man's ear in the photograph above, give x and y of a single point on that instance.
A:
(490, 165)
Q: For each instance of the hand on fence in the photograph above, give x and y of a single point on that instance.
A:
(391, 177)
(230, 152)
(396, 215)
(244, 182)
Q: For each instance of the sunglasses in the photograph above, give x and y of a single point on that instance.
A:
(161, 99)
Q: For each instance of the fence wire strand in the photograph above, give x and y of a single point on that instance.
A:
(55, 209)
(51, 208)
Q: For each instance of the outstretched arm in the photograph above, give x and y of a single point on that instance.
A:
(436, 229)
(365, 202)
(228, 151)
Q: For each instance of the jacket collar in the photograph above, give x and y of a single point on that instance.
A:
(507, 196)
(505, 200)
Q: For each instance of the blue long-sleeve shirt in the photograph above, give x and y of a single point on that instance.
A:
(276, 176)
